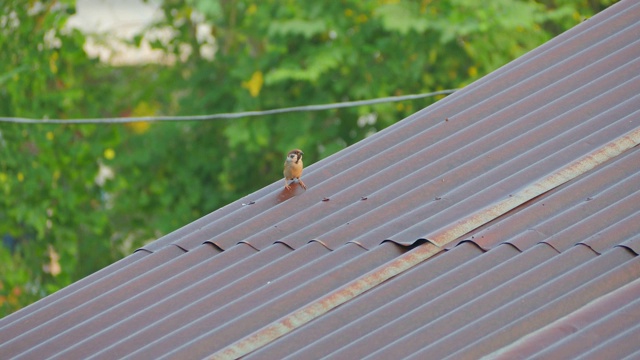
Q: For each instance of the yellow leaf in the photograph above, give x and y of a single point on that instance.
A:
(139, 127)
(254, 84)
(109, 154)
(577, 16)
(52, 62)
(142, 109)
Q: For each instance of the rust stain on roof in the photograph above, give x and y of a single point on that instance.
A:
(326, 303)
(537, 188)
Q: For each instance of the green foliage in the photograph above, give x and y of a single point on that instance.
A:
(306, 28)
(48, 204)
(76, 198)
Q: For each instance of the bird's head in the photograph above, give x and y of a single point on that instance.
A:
(295, 155)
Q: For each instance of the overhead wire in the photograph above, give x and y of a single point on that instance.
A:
(222, 116)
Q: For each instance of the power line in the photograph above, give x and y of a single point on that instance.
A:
(122, 120)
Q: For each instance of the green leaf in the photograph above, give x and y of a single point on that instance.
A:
(318, 65)
(402, 17)
(306, 28)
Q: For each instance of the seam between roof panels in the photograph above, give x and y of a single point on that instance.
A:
(583, 165)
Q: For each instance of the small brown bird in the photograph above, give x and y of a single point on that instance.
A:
(293, 168)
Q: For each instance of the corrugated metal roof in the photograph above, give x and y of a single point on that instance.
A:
(500, 221)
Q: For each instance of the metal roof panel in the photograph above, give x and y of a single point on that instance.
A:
(499, 219)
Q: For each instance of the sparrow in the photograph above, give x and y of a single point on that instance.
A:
(293, 168)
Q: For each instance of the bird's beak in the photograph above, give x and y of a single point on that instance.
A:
(299, 156)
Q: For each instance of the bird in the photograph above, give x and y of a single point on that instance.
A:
(293, 168)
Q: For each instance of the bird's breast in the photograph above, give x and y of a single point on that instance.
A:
(293, 170)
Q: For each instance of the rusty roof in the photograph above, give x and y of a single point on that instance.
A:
(501, 221)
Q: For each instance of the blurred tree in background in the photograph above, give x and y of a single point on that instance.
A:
(75, 198)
